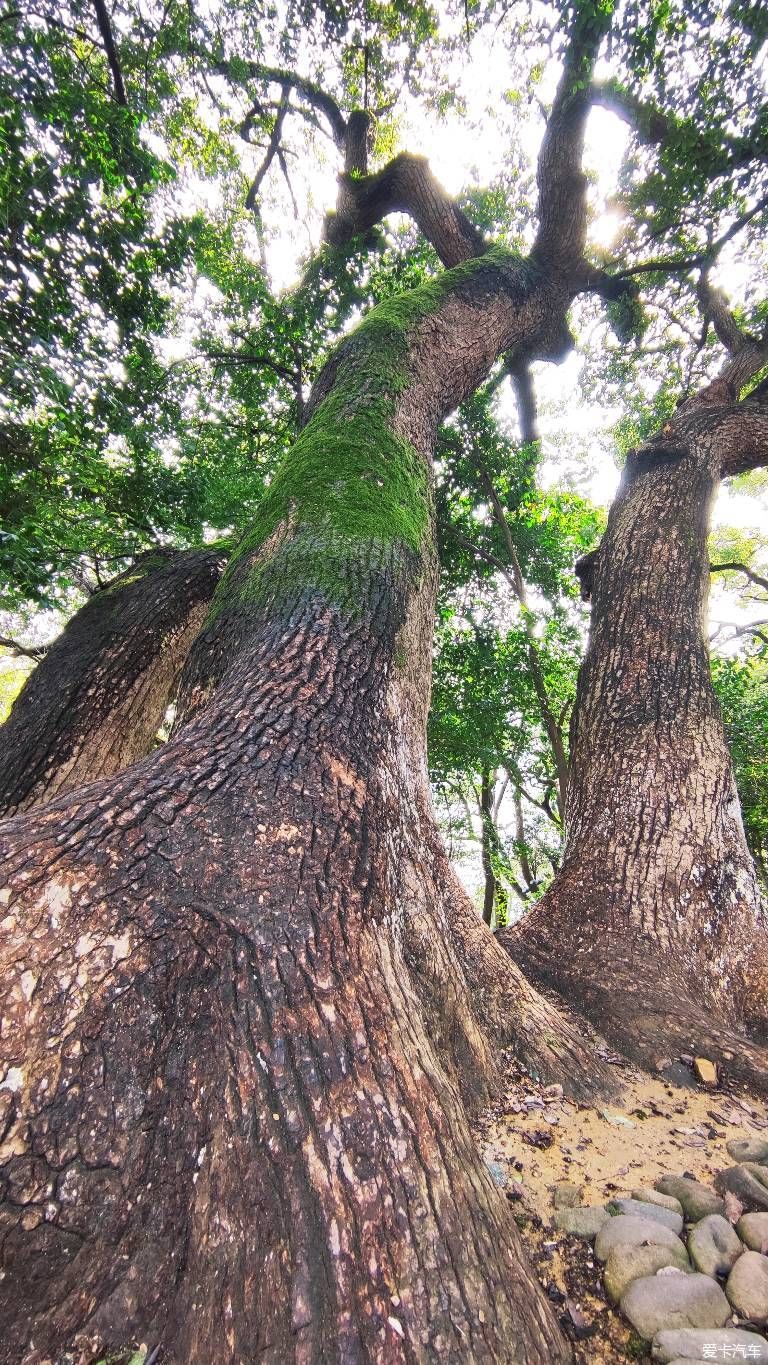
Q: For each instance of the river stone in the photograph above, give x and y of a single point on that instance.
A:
(697, 1200)
(713, 1245)
(583, 1222)
(663, 1301)
(753, 1230)
(747, 1287)
(748, 1149)
(749, 1182)
(628, 1263)
(688, 1344)
(629, 1230)
(566, 1196)
(665, 1201)
(668, 1217)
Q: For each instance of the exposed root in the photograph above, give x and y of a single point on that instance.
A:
(515, 1014)
(635, 996)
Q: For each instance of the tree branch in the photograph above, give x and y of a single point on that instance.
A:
(105, 30)
(653, 125)
(562, 209)
(405, 185)
(272, 150)
(34, 652)
(736, 567)
(312, 93)
(522, 379)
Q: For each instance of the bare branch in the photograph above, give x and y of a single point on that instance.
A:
(272, 151)
(34, 652)
(525, 394)
(736, 567)
(317, 98)
(105, 30)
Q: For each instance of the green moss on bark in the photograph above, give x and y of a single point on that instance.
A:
(349, 481)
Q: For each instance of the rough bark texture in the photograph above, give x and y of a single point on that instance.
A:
(239, 1029)
(655, 924)
(96, 700)
(243, 1012)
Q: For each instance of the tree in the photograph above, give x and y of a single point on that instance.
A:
(97, 699)
(656, 921)
(248, 1005)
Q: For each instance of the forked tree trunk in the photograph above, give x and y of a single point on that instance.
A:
(95, 702)
(655, 926)
(241, 1025)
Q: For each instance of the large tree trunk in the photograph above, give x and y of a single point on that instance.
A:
(95, 702)
(240, 1028)
(655, 926)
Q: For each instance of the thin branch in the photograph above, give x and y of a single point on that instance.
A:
(682, 264)
(105, 29)
(272, 150)
(736, 567)
(34, 652)
(245, 358)
(319, 99)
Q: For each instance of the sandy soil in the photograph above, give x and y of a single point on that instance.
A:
(539, 1139)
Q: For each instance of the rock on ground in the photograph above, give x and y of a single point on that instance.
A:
(697, 1200)
(670, 1219)
(628, 1263)
(665, 1301)
(627, 1230)
(713, 1245)
(566, 1196)
(583, 1222)
(688, 1344)
(748, 1149)
(753, 1230)
(747, 1287)
(749, 1182)
(665, 1201)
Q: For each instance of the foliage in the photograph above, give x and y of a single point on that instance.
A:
(154, 376)
(742, 689)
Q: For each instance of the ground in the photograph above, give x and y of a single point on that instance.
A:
(533, 1139)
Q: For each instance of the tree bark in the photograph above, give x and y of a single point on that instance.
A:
(240, 1032)
(96, 700)
(655, 924)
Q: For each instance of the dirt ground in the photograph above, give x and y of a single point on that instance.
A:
(536, 1139)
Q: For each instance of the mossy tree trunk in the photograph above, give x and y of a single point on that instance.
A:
(96, 700)
(247, 1005)
(241, 1022)
(655, 924)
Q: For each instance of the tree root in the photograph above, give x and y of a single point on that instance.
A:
(511, 1012)
(637, 997)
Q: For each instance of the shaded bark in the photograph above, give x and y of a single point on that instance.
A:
(96, 700)
(655, 924)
